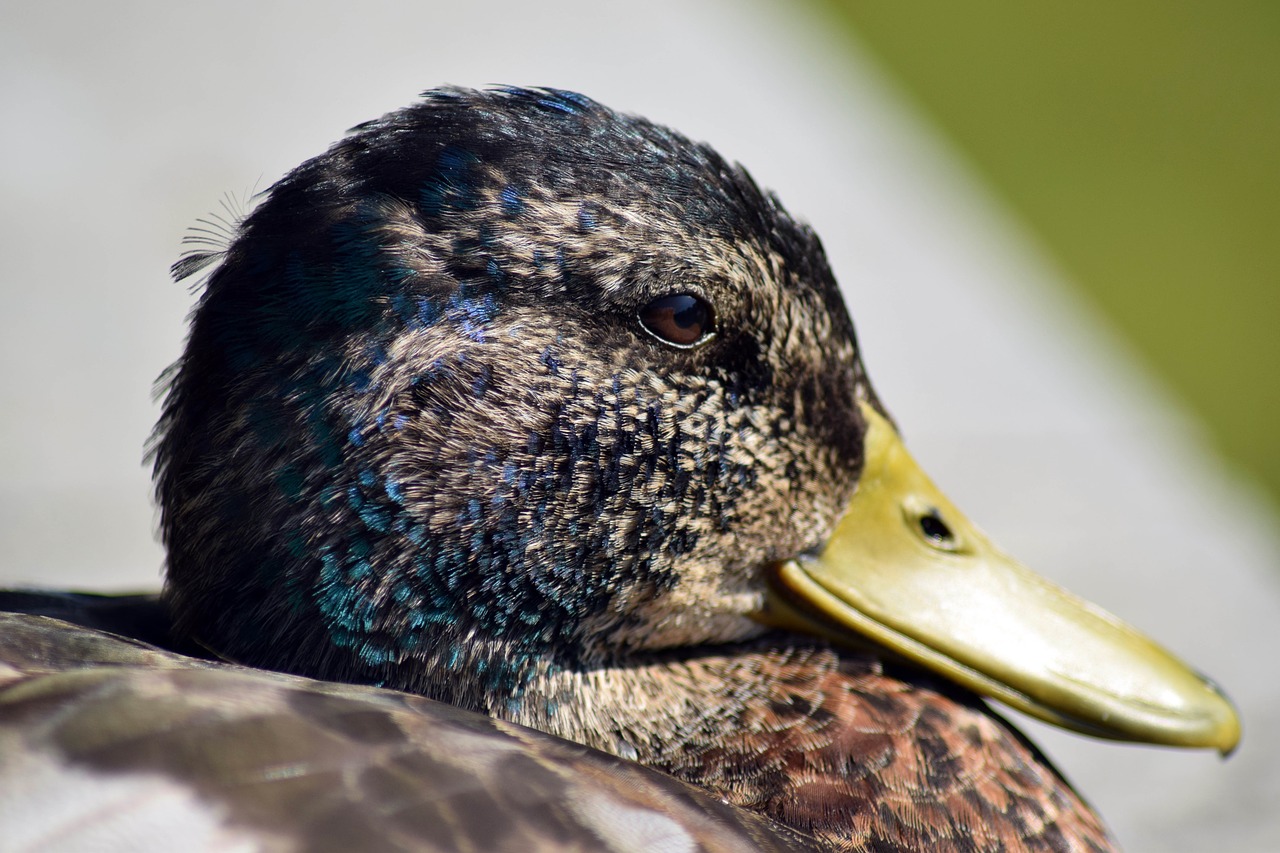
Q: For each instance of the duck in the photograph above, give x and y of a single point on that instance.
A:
(523, 487)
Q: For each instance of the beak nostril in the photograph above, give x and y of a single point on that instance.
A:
(935, 529)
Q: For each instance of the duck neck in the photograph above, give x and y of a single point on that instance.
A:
(671, 712)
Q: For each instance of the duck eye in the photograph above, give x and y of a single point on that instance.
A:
(681, 319)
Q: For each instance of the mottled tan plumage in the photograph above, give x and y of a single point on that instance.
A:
(866, 761)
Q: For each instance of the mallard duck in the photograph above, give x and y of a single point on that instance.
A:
(512, 413)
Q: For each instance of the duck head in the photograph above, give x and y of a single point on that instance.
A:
(507, 384)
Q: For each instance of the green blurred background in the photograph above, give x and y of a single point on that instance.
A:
(1141, 142)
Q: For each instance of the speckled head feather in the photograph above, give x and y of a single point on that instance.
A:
(420, 438)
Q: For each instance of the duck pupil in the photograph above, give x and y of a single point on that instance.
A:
(680, 318)
(934, 527)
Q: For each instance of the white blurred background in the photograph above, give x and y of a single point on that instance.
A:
(125, 123)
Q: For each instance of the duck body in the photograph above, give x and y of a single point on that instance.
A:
(151, 750)
(514, 403)
(108, 743)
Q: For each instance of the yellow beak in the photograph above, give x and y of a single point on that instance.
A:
(908, 571)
